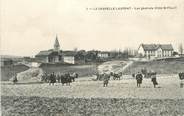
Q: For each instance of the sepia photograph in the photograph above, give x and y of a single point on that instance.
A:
(92, 57)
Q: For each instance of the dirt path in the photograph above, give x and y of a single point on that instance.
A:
(114, 66)
(129, 63)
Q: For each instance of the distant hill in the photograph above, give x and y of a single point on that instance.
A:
(10, 56)
(164, 66)
(8, 71)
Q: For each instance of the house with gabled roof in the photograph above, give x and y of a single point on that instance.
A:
(69, 57)
(151, 51)
(49, 56)
(103, 54)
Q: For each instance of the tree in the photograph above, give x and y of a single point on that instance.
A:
(180, 49)
(91, 55)
(81, 55)
(75, 49)
(175, 53)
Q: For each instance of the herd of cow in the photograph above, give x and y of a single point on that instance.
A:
(64, 78)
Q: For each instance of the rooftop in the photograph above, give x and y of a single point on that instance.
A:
(156, 46)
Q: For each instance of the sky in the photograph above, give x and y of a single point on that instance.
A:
(29, 26)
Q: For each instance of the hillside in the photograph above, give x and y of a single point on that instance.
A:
(8, 71)
(10, 56)
(82, 70)
(166, 66)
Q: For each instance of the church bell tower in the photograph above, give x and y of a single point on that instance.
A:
(56, 44)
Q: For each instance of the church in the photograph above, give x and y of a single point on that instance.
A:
(56, 55)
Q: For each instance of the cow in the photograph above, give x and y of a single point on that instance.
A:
(99, 76)
(116, 76)
(66, 79)
(45, 77)
(74, 76)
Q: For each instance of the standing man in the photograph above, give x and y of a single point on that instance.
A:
(181, 77)
(15, 79)
(52, 79)
(139, 79)
(106, 80)
(154, 79)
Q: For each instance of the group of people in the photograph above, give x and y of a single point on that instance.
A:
(105, 77)
(139, 79)
(64, 78)
(67, 78)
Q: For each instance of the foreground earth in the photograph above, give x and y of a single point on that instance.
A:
(86, 97)
(168, 88)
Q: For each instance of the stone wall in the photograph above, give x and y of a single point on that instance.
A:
(42, 106)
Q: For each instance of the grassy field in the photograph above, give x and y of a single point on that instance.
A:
(86, 97)
(89, 98)
(161, 67)
(168, 88)
(82, 70)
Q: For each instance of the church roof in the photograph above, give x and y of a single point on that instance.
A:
(49, 52)
(44, 53)
(56, 44)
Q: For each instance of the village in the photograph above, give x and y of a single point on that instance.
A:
(145, 52)
(92, 58)
(152, 73)
(35, 95)
(88, 63)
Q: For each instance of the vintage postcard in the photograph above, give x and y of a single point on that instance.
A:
(92, 57)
